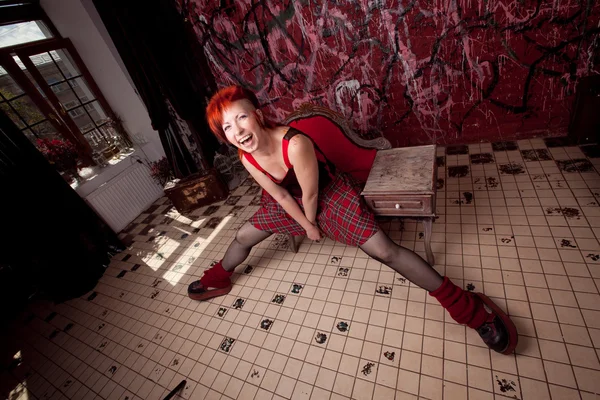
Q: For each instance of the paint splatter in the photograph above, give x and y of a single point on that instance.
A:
(568, 212)
(457, 149)
(266, 324)
(458, 172)
(505, 146)
(210, 210)
(577, 165)
(367, 368)
(296, 288)
(238, 304)
(468, 197)
(470, 287)
(226, 344)
(483, 158)
(213, 222)
(320, 338)
(384, 290)
(567, 243)
(278, 299)
(491, 182)
(342, 326)
(505, 385)
(511, 169)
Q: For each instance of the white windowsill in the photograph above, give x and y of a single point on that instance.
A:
(97, 176)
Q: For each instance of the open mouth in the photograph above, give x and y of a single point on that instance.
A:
(245, 140)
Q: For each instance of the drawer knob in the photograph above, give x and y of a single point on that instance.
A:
(397, 206)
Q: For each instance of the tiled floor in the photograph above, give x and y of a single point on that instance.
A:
(518, 221)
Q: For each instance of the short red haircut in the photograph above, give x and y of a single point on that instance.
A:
(222, 100)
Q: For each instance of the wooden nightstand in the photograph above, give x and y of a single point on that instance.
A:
(402, 183)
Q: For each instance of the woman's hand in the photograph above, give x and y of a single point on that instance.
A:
(314, 233)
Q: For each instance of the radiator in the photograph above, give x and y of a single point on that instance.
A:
(120, 200)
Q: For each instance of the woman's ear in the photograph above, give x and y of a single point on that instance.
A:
(260, 117)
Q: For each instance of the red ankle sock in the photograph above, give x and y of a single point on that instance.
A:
(216, 277)
(464, 307)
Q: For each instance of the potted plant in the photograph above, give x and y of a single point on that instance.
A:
(62, 154)
(161, 171)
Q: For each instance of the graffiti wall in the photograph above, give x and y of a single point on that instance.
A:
(421, 71)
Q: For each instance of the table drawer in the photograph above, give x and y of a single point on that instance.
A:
(400, 205)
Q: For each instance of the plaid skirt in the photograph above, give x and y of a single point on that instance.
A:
(342, 214)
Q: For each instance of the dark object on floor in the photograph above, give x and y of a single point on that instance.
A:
(457, 149)
(483, 158)
(563, 141)
(458, 172)
(197, 190)
(577, 165)
(505, 146)
(511, 169)
(592, 150)
(584, 126)
(177, 389)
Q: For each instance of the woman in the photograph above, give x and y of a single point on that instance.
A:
(305, 196)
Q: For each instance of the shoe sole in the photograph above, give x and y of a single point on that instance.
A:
(209, 294)
(513, 336)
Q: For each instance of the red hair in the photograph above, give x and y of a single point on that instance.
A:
(223, 100)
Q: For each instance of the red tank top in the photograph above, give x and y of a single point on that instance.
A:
(290, 181)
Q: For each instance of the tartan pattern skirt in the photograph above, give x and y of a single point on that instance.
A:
(342, 214)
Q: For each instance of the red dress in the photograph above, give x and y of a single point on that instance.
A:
(342, 214)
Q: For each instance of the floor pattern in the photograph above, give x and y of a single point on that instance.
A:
(517, 220)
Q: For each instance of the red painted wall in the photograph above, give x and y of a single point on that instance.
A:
(417, 72)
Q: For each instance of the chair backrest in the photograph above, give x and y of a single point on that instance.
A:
(341, 145)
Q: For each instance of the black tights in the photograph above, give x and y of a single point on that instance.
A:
(406, 262)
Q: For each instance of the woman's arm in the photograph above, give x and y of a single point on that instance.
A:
(302, 156)
(281, 195)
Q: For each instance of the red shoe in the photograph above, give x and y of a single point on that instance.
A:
(498, 332)
(197, 291)
(216, 278)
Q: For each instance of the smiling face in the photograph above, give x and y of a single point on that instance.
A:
(241, 125)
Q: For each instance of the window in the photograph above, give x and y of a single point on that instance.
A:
(46, 89)
(78, 112)
(71, 104)
(23, 32)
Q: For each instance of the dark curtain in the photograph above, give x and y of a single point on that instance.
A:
(164, 60)
(53, 244)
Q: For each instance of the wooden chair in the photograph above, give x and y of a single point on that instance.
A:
(342, 146)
